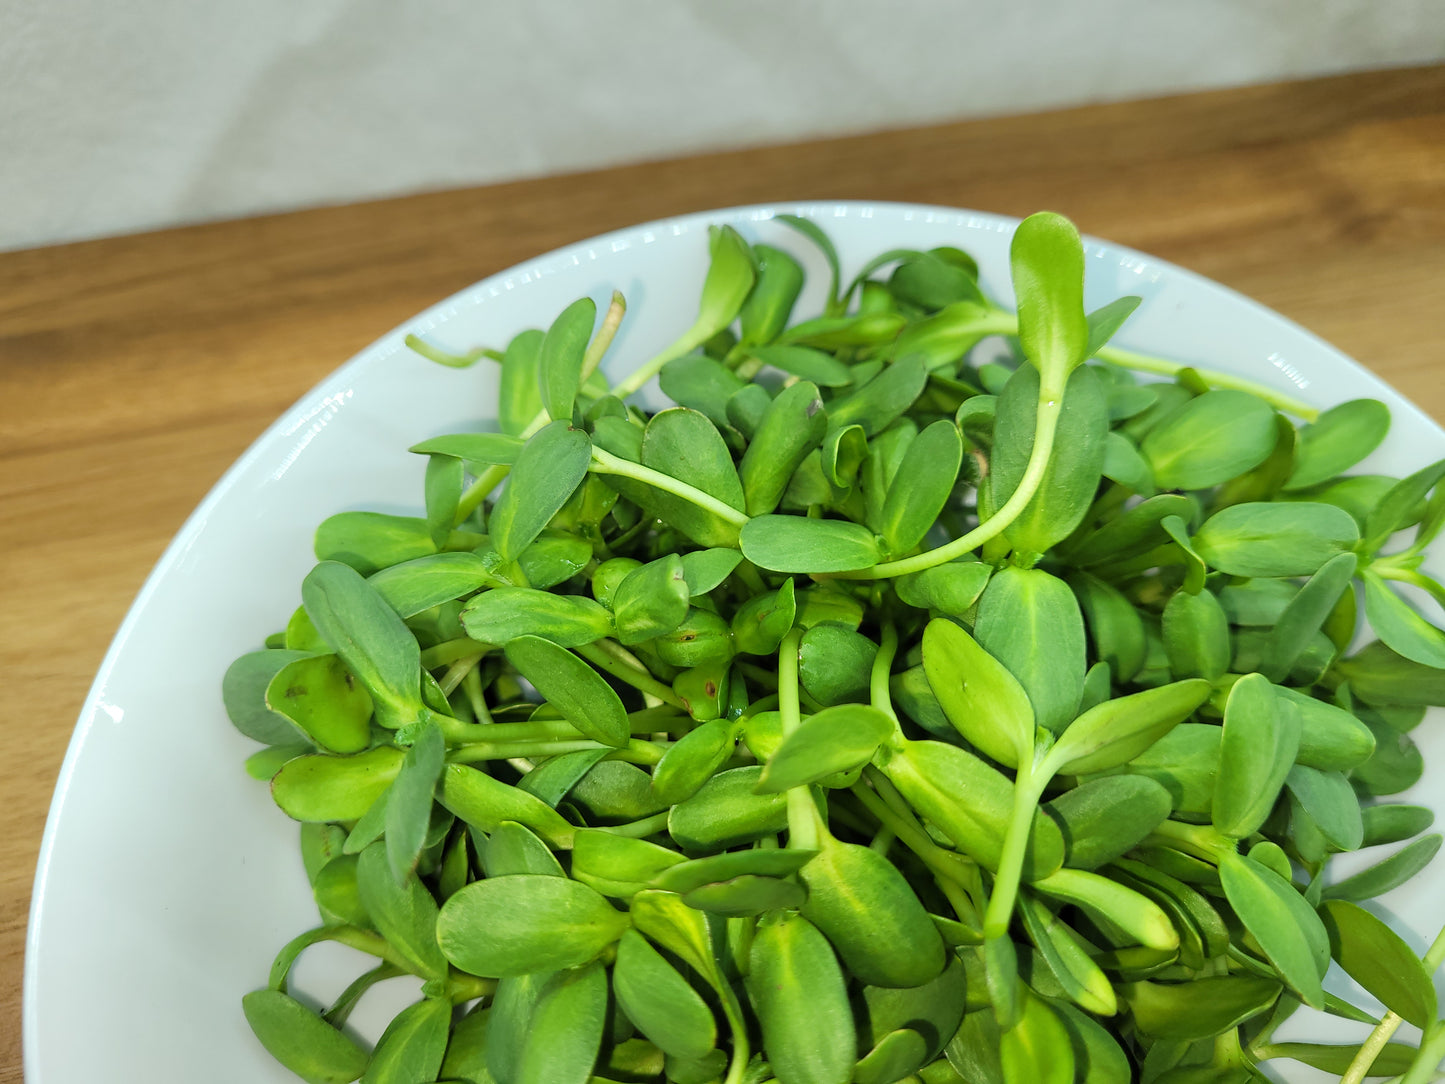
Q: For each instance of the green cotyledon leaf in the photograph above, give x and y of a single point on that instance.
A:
(921, 486)
(799, 994)
(799, 544)
(1046, 259)
(411, 1049)
(792, 426)
(565, 1030)
(560, 357)
(1030, 621)
(1272, 540)
(836, 739)
(1337, 440)
(300, 1040)
(1378, 959)
(548, 469)
(871, 915)
(660, 1002)
(516, 925)
(377, 648)
(1071, 480)
(1277, 916)
(1258, 745)
(1210, 439)
(981, 698)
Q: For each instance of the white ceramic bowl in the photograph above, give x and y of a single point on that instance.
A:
(167, 879)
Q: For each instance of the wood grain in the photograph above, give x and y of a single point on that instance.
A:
(134, 370)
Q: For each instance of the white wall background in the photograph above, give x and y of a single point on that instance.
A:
(122, 115)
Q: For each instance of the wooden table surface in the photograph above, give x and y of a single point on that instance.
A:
(134, 370)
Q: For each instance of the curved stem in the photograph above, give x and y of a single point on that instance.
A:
(604, 462)
(1370, 1049)
(612, 657)
(878, 691)
(1051, 401)
(1128, 359)
(804, 826)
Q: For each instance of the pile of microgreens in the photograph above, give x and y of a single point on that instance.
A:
(872, 715)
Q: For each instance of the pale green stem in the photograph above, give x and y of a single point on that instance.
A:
(613, 658)
(456, 672)
(483, 750)
(1028, 787)
(1051, 401)
(1198, 840)
(634, 380)
(597, 348)
(472, 685)
(447, 358)
(878, 691)
(942, 863)
(803, 822)
(1371, 1047)
(1128, 359)
(634, 752)
(604, 462)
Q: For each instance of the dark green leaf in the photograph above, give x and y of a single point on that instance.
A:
(798, 992)
(417, 585)
(981, 698)
(766, 311)
(377, 648)
(799, 544)
(1337, 440)
(411, 1049)
(1258, 746)
(484, 803)
(526, 923)
(659, 1001)
(501, 615)
(882, 399)
(836, 739)
(1117, 731)
(244, 691)
(519, 399)
(834, 664)
(328, 788)
(727, 811)
(1279, 919)
(1209, 440)
(409, 803)
(792, 426)
(1259, 539)
(548, 469)
(1072, 476)
(921, 487)
(1103, 818)
(369, 541)
(1030, 621)
(405, 914)
(301, 1041)
(444, 477)
(1390, 873)
(1378, 959)
(564, 1033)
(1398, 624)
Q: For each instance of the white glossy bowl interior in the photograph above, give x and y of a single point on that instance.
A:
(167, 879)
